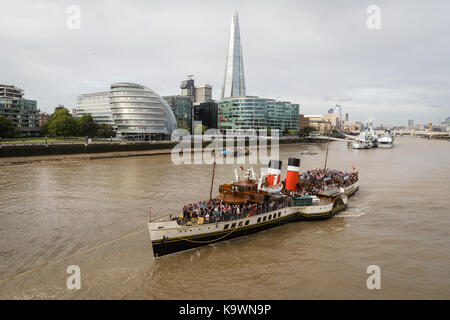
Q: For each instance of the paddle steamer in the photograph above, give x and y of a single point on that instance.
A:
(268, 203)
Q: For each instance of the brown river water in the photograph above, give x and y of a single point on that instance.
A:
(399, 221)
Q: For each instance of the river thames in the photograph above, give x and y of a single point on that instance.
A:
(399, 220)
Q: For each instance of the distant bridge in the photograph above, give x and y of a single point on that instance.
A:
(423, 134)
(412, 133)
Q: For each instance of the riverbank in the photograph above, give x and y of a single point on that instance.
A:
(8, 161)
(26, 154)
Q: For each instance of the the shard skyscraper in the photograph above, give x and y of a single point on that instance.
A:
(234, 81)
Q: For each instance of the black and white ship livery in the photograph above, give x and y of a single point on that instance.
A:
(249, 205)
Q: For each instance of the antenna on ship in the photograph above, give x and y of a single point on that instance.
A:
(326, 156)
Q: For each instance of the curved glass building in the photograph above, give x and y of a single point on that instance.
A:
(140, 113)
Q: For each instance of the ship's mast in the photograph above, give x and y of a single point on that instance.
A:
(215, 155)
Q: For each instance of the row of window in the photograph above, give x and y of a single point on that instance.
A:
(139, 122)
(137, 99)
(137, 93)
(140, 110)
(133, 116)
(264, 218)
(247, 222)
(135, 104)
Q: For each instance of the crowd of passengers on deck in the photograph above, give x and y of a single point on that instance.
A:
(216, 210)
(329, 177)
(315, 181)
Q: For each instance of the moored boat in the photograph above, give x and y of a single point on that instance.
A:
(236, 152)
(362, 141)
(367, 139)
(358, 144)
(386, 140)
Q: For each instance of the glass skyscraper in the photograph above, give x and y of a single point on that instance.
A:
(182, 109)
(234, 81)
(248, 113)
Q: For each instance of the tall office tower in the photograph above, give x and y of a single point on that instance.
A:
(182, 109)
(188, 88)
(203, 93)
(234, 82)
(338, 110)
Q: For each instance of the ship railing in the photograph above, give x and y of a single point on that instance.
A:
(264, 208)
(234, 216)
(169, 217)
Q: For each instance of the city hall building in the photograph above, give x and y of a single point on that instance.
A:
(135, 111)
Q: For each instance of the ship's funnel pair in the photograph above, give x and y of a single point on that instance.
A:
(293, 171)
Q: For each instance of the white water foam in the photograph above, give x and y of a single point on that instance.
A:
(350, 215)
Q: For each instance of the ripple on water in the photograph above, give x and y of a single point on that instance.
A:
(397, 220)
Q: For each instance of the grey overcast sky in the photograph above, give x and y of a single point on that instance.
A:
(315, 53)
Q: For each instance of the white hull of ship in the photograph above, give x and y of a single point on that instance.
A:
(161, 231)
(360, 145)
(385, 145)
(350, 190)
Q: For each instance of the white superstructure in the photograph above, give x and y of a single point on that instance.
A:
(386, 140)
